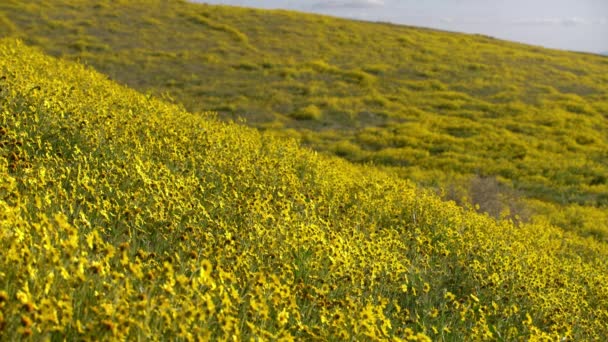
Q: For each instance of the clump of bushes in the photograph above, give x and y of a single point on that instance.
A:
(310, 112)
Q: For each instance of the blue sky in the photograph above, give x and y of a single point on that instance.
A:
(580, 25)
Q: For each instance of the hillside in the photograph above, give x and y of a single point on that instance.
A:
(519, 131)
(123, 217)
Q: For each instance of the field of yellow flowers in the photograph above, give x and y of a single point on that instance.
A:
(519, 130)
(126, 218)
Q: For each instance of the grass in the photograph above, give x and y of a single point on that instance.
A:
(535, 111)
(514, 131)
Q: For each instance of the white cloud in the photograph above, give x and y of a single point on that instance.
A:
(337, 4)
(601, 21)
(571, 21)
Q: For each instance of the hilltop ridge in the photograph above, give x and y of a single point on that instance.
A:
(395, 183)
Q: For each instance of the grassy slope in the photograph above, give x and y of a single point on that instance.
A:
(122, 216)
(438, 108)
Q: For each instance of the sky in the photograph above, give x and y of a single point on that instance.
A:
(579, 25)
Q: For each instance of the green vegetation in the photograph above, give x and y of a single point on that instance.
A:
(222, 231)
(438, 108)
(123, 217)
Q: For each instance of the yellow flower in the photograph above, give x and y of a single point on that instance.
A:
(205, 272)
(283, 317)
(26, 321)
(108, 325)
(528, 320)
(3, 296)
